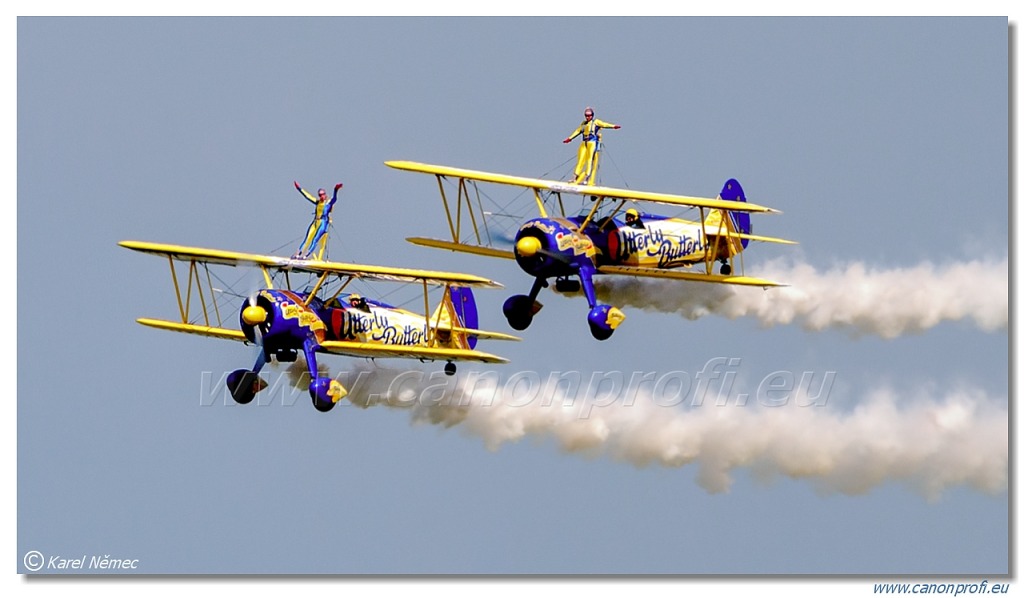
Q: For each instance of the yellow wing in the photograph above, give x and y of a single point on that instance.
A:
(487, 334)
(591, 190)
(355, 349)
(694, 276)
(233, 258)
(463, 247)
(211, 331)
(762, 238)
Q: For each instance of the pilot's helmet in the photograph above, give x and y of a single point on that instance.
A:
(632, 215)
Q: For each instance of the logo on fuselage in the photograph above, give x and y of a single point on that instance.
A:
(579, 244)
(662, 244)
(379, 326)
(292, 308)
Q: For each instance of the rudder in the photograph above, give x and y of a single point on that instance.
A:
(465, 308)
(732, 191)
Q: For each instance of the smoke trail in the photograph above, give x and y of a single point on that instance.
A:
(928, 443)
(854, 297)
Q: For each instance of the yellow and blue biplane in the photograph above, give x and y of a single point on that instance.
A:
(323, 318)
(573, 249)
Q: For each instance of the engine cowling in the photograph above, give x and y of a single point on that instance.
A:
(547, 247)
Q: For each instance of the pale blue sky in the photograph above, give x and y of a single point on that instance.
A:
(882, 140)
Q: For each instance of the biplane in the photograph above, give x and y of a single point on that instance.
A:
(572, 249)
(283, 322)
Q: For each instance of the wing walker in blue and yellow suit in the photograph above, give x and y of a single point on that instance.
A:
(317, 232)
(590, 148)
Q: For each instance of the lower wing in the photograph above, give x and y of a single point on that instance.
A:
(356, 349)
(693, 276)
(462, 247)
(211, 331)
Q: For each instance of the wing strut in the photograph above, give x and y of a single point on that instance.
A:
(266, 277)
(185, 308)
(209, 284)
(447, 210)
(593, 210)
(340, 289)
(316, 289)
(464, 194)
(426, 310)
(193, 269)
(540, 203)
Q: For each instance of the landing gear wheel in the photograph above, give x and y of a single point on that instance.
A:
(599, 333)
(518, 310)
(603, 320)
(321, 406)
(725, 270)
(243, 386)
(320, 391)
(520, 322)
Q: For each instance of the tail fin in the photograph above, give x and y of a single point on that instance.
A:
(458, 311)
(732, 191)
(465, 310)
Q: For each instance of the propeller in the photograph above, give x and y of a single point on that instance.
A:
(531, 246)
(256, 318)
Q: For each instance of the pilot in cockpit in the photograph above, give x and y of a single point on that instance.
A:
(633, 219)
(358, 302)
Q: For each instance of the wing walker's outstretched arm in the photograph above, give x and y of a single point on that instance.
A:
(306, 194)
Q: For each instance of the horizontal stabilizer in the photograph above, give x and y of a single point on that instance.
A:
(754, 238)
(485, 334)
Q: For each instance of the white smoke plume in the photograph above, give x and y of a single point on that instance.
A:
(853, 297)
(927, 443)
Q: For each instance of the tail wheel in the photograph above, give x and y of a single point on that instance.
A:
(449, 369)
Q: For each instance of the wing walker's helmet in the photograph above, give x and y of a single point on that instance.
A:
(588, 113)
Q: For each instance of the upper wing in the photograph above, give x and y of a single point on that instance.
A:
(233, 258)
(694, 276)
(355, 349)
(592, 190)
